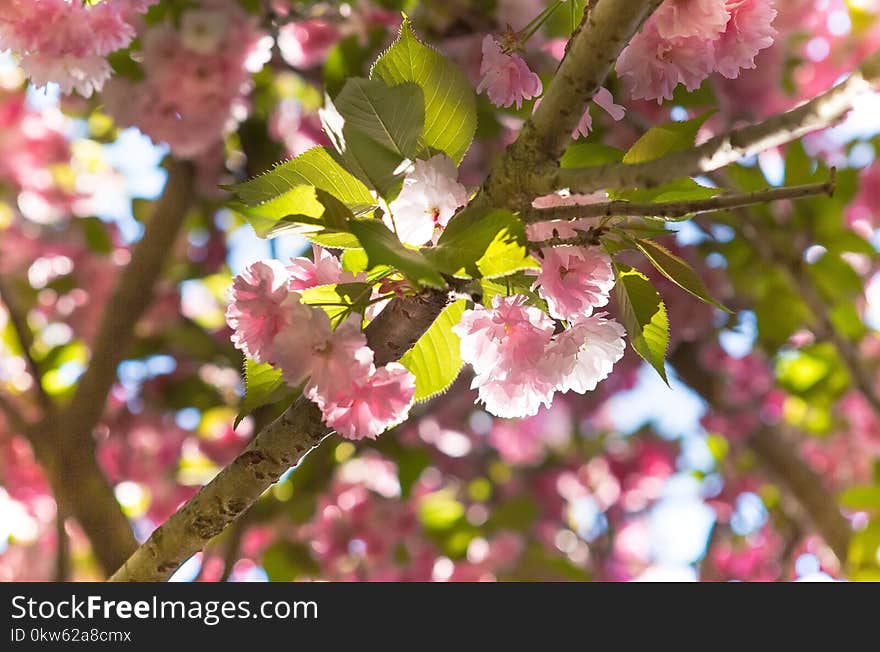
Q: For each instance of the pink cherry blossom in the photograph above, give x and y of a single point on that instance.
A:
(514, 392)
(705, 19)
(574, 280)
(506, 78)
(255, 312)
(505, 345)
(340, 358)
(364, 407)
(197, 76)
(323, 269)
(685, 41)
(302, 344)
(65, 42)
(511, 328)
(749, 31)
(605, 100)
(654, 66)
(428, 200)
(584, 355)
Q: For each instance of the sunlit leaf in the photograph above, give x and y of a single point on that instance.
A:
(644, 317)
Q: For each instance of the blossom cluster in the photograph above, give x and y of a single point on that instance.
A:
(68, 42)
(519, 358)
(197, 76)
(272, 324)
(685, 41)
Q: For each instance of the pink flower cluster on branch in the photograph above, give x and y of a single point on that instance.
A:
(196, 78)
(685, 41)
(271, 324)
(67, 42)
(521, 362)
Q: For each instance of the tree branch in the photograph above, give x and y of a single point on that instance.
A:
(821, 112)
(793, 270)
(13, 416)
(803, 486)
(678, 208)
(777, 455)
(607, 26)
(63, 441)
(18, 320)
(276, 448)
(606, 29)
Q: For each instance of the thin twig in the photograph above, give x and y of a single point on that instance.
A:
(718, 152)
(679, 208)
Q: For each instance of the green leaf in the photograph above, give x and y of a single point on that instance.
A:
(322, 218)
(583, 155)
(375, 129)
(393, 117)
(678, 271)
(644, 317)
(450, 103)
(339, 299)
(517, 283)
(480, 243)
(263, 385)
(862, 498)
(435, 360)
(289, 190)
(684, 189)
(383, 248)
(664, 139)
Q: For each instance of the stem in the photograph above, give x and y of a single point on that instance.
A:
(676, 209)
(606, 28)
(64, 443)
(277, 447)
(821, 112)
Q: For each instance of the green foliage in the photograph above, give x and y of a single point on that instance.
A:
(664, 139)
(435, 360)
(659, 141)
(263, 386)
(450, 104)
(383, 248)
(814, 373)
(375, 129)
(517, 283)
(684, 189)
(678, 271)
(864, 498)
(347, 59)
(440, 510)
(481, 243)
(644, 316)
(338, 300)
(286, 199)
(582, 155)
